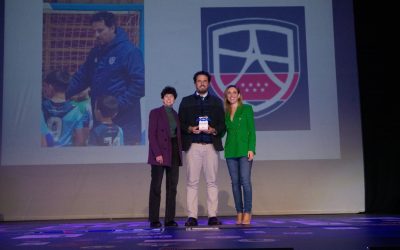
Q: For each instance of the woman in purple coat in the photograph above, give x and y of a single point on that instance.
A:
(165, 155)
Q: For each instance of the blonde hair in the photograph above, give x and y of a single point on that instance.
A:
(227, 104)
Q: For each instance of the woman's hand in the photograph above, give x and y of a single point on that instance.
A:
(250, 155)
(160, 159)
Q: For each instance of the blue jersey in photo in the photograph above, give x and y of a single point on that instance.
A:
(106, 135)
(62, 120)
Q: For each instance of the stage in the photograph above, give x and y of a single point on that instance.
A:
(300, 232)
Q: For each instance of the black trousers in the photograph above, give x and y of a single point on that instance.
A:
(171, 183)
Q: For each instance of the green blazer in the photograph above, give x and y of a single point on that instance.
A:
(241, 133)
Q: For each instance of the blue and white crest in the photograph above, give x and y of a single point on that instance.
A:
(259, 55)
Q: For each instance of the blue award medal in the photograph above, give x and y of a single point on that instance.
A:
(203, 123)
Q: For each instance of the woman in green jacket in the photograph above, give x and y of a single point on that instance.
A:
(240, 148)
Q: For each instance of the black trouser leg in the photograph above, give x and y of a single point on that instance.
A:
(157, 173)
(171, 190)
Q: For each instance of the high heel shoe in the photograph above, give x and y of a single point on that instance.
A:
(246, 219)
(239, 218)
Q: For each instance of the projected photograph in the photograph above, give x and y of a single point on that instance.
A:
(92, 75)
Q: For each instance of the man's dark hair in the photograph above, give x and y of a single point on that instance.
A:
(108, 105)
(202, 72)
(168, 90)
(107, 17)
(59, 79)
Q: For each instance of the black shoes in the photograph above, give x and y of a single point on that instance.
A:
(155, 224)
(213, 221)
(171, 223)
(191, 222)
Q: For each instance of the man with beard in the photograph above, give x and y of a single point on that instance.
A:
(202, 122)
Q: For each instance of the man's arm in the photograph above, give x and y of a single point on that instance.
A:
(219, 118)
(135, 78)
(184, 116)
(80, 80)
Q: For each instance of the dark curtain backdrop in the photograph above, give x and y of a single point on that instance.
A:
(376, 53)
(1, 66)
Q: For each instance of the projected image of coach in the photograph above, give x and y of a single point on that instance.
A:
(113, 67)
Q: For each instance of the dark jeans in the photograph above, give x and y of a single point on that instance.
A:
(171, 184)
(240, 172)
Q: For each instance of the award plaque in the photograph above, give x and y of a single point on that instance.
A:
(203, 123)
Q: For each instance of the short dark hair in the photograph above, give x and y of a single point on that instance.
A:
(59, 79)
(201, 72)
(107, 105)
(169, 90)
(107, 17)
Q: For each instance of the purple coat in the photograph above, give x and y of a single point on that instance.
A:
(159, 136)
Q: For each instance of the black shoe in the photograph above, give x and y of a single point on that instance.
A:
(155, 224)
(213, 221)
(191, 222)
(171, 223)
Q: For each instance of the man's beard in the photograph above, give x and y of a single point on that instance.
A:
(202, 91)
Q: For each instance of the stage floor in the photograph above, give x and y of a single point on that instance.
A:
(299, 232)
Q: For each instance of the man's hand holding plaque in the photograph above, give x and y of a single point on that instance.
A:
(203, 123)
(203, 127)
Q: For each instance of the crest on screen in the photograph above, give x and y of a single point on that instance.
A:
(260, 56)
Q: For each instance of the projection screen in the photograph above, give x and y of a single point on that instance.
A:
(282, 55)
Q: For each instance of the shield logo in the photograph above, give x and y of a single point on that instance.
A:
(260, 56)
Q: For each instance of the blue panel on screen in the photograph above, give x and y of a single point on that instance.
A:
(263, 52)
